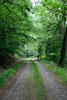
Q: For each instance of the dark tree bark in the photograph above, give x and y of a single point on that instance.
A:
(62, 59)
(39, 51)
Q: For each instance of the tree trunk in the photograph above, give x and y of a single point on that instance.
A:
(62, 59)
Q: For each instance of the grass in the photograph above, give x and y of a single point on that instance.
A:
(39, 87)
(61, 72)
(9, 73)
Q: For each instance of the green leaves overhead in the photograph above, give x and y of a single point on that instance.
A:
(39, 33)
(15, 24)
(52, 15)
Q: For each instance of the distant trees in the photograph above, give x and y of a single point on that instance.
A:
(53, 16)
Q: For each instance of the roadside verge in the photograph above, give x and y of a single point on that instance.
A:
(9, 73)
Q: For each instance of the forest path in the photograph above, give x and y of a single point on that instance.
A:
(53, 88)
(22, 88)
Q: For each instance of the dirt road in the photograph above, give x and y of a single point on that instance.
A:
(22, 89)
(53, 88)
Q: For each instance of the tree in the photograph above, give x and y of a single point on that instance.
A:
(53, 18)
(62, 60)
(15, 26)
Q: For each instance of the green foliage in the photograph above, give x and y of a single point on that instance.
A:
(32, 31)
(9, 73)
(51, 16)
(53, 47)
(14, 22)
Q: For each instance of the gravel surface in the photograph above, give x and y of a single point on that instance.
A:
(53, 87)
(21, 90)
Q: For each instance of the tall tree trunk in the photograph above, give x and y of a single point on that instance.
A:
(62, 59)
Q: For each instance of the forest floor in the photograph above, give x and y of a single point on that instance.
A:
(24, 87)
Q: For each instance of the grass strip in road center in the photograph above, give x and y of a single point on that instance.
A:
(9, 73)
(38, 85)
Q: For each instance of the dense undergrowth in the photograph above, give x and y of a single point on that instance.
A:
(61, 72)
(9, 73)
